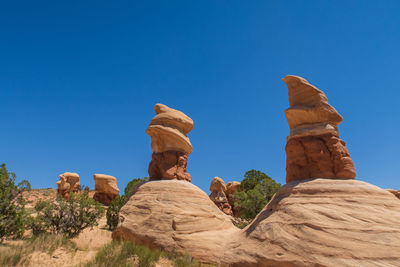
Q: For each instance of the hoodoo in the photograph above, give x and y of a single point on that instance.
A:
(313, 147)
(106, 189)
(171, 147)
(69, 181)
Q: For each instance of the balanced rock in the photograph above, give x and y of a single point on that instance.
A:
(69, 181)
(106, 189)
(169, 143)
(218, 195)
(314, 149)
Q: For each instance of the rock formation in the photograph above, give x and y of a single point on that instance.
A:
(105, 187)
(218, 196)
(171, 147)
(316, 222)
(394, 192)
(222, 195)
(69, 181)
(313, 148)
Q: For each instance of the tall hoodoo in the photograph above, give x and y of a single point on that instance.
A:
(171, 147)
(313, 148)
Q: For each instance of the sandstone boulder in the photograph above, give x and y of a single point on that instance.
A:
(323, 222)
(231, 189)
(69, 181)
(315, 222)
(106, 189)
(394, 192)
(175, 216)
(313, 147)
(171, 147)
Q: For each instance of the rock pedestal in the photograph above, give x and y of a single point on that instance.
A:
(313, 148)
(171, 147)
(106, 189)
(69, 181)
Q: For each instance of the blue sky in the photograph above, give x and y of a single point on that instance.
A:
(79, 80)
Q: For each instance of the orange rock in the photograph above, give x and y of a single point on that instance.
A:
(106, 189)
(313, 148)
(69, 181)
(171, 147)
(218, 196)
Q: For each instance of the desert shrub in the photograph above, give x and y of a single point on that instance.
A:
(125, 253)
(118, 202)
(255, 191)
(130, 187)
(113, 211)
(68, 217)
(12, 205)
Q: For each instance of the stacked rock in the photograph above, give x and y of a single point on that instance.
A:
(171, 147)
(313, 148)
(222, 195)
(106, 189)
(69, 181)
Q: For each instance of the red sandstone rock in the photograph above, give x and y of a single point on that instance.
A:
(169, 165)
(171, 147)
(106, 189)
(313, 149)
(323, 156)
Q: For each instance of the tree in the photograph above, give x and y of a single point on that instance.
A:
(255, 191)
(69, 217)
(131, 186)
(12, 204)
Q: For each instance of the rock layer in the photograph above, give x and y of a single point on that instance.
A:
(106, 189)
(69, 181)
(313, 147)
(316, 222)
(171, 147)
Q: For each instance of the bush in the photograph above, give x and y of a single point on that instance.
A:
(131, 186)
(68, 217)
(119, 201)
(255, 191)
(12, 206)
(113, 211)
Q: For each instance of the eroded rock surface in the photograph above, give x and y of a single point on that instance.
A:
(106, 189)
(175, 216)
(69, 181)
(394, 192)
(314, 149)
(223, 195)
(316, 222)
(171, 147)
(218, 196)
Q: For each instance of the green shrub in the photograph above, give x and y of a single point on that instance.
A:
(113, 210)
(131, 186)
(255, 191)
(12, 205)
(68, 217)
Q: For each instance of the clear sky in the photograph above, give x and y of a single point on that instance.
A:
(79, 80)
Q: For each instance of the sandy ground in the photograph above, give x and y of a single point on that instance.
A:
(87, 243)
